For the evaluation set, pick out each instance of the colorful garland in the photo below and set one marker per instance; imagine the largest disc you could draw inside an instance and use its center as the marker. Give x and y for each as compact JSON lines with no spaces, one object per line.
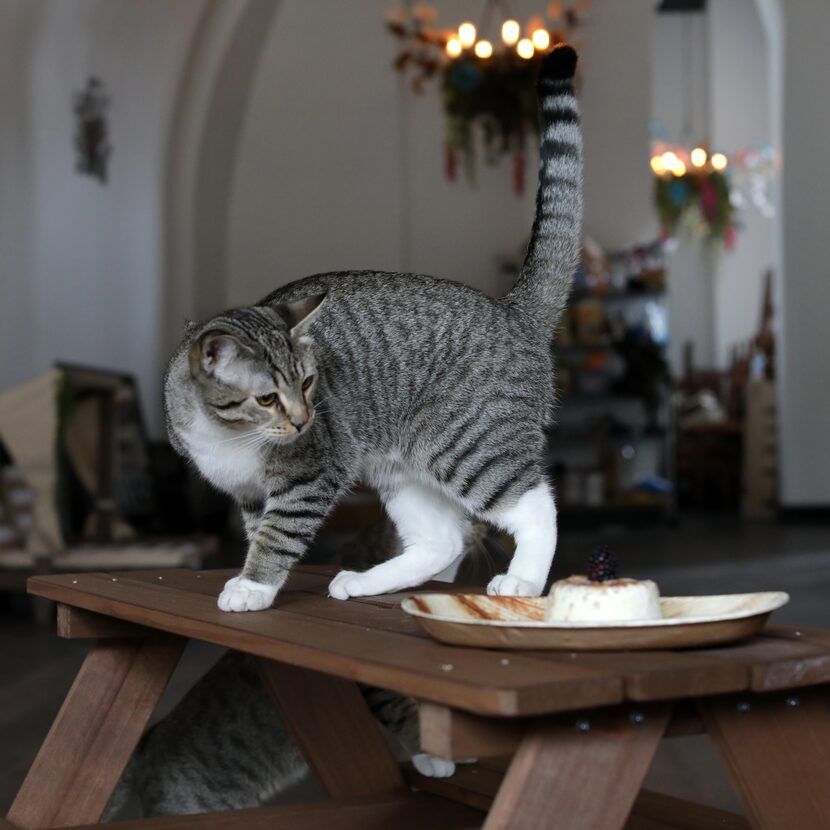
{"x":698,"y":199}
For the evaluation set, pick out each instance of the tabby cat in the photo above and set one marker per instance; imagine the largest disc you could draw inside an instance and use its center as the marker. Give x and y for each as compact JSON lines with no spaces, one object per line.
{"x":435,"y":394}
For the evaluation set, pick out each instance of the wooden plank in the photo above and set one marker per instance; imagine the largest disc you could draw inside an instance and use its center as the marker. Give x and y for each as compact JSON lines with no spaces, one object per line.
{"x":777,"y":750}
{"x":476,"y":785}
{"x":394,"y":620}
{"x":472,"y":679}
{"x":335,"y":731}
{"x":77,"y":624}
{"x":95,"y":732}
{"x":456,"y":735}
{"x":777,"y":659}
{"x":451,"y":734}
{"x":656,"y":811}
{"x":409,"y":811}
{"x":589,"y":776}
{"x":776,"y":662}
{"x":211,"y":582}
{"x":666,"y":675}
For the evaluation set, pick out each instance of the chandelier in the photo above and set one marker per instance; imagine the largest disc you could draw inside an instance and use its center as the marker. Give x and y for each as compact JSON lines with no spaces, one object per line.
{"x":487,"y":72}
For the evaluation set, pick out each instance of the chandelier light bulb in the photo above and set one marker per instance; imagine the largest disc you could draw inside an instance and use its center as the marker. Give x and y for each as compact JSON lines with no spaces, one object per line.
{"x":698,"y":157}
{"x":657,"y":165}
{"x":525,"y":48}
{"x":719,"y":161}
{"x":510,"y":31}
{"x":669,"y":160}
{"x":541,"y":39}
{"x":679,"y":168}
{"x":467,"y":35}
{"x":484,"y":49}
{"x":454,"y":47}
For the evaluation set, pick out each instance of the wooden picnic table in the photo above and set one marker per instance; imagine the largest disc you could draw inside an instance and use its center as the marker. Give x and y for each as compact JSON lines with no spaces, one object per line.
{"x":565,"y":739}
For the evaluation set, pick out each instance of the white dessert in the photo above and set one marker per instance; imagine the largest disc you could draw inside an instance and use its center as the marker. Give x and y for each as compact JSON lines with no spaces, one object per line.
{"x":578,"y":599}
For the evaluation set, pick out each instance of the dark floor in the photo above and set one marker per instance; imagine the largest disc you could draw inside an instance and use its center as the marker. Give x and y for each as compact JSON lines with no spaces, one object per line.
{"x":699,"y":557}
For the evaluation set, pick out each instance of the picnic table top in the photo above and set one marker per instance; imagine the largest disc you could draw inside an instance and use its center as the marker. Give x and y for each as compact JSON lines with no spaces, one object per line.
{"x":373,"y":641}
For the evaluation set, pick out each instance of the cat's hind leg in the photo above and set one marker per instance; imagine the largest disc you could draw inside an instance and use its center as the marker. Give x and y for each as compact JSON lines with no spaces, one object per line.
{"x":531,"y":520}
{"x":432,"y":529}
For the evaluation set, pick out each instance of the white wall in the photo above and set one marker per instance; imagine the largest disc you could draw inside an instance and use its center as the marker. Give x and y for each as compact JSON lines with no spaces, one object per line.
{"x":16,"y":336}
{"x":740,"y":117}
{"x":680,"y":107}
{"x":804,"y":397}
{"x":88,"y":283}
{"x":711,"y":84}
{"x":342,"y":166}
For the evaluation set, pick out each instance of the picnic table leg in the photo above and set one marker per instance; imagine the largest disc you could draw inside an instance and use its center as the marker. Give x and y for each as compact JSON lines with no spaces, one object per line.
{"x":579,"y":773}
{"x":335,"y":730}
{"x":95,"y":731}
{"x":777,"y":750}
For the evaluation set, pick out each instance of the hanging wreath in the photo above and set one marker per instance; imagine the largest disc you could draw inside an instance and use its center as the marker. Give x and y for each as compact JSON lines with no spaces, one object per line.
{"x":488,"y":91}
{"x":699,"y":200}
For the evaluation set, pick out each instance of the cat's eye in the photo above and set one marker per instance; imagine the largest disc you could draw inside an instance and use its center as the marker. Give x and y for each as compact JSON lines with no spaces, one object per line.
{"x":307,"y":383}
{"x":266,"y":400}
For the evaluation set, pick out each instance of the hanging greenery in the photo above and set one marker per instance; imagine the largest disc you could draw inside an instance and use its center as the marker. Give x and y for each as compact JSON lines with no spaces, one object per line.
{"x":698,"y":199}
{"x":488,"y":90}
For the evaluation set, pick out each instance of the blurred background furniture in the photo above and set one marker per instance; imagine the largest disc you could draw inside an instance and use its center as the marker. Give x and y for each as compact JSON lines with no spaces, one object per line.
{"x":81,"y":486}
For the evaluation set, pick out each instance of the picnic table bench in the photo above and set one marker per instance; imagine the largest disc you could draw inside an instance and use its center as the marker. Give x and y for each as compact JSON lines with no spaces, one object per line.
{"x":564,"y":739}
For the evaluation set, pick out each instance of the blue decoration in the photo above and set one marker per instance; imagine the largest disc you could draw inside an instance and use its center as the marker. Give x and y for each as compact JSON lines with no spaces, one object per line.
{"x":678,"y":191}
{"x":465,"y":76}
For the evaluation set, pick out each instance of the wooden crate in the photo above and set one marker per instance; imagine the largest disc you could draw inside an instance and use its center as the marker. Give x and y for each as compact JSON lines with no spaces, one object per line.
{"x":761,"y":450}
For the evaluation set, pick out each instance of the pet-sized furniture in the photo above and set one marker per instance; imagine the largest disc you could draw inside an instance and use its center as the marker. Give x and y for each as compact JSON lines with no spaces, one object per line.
{"x":581,"y":728}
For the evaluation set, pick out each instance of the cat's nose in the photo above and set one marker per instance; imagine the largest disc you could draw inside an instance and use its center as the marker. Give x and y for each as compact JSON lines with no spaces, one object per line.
{"x":299,"y":422}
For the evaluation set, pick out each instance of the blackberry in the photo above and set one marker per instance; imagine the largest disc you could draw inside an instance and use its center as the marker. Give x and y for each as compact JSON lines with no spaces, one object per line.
{"x":602,"y":565}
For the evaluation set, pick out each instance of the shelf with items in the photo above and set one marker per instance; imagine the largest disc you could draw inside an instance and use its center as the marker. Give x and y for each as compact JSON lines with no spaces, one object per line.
{"x":609,"y":453}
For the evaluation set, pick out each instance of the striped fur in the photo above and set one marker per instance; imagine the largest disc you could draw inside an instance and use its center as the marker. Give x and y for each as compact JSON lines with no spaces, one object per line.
{"x":432,"y":392}
{"x":226,"y":747}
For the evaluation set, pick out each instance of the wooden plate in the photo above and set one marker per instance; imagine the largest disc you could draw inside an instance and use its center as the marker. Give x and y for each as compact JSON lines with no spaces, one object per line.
{"x":519,"y":622}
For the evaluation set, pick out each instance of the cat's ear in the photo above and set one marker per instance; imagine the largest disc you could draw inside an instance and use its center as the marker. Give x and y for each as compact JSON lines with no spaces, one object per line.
{"x":213,"y":351}
{"x":300,"y":313}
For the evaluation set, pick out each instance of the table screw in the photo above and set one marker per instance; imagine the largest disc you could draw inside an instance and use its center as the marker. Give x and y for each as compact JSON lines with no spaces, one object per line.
{"x":74,"y":581}
{"x":793,"y":702}
{"x":797,"y":633}
{"x":583,"y":725}
{"x":743,"y":707}
{"x":114,"y":579}
{"x":447,"y":667}
{"x":504,"y":661}
{"x":636,"y":718}
{"x":198,"y":576}
{"x":161,"y":577}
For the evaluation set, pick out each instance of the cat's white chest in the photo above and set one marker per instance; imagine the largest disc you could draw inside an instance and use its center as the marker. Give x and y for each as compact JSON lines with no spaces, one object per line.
{"x":225,"y":458}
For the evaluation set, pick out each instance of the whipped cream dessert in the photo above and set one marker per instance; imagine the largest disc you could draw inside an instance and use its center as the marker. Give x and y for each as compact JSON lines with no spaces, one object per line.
{"x":580,"y":599}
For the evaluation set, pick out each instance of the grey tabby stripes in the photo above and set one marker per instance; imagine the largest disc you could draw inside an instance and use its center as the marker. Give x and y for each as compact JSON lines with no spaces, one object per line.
{"x":226,"y":747}
{"x":555,"y":244}
{"x":418,"y":379}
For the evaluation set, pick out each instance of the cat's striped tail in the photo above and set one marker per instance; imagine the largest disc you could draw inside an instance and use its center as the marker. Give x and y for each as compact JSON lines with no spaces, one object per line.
{"x":556,"y":241}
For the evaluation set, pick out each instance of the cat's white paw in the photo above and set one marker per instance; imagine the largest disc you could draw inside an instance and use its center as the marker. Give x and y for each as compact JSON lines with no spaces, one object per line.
{"x":246,"y":595}
{"x":432,"y":767}
{"x":351,"y":584}
{"x":506,"y":585}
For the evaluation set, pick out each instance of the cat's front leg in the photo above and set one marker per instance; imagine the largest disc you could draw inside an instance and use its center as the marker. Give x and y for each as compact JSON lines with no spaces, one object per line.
{"x":251,"y":517}
{"x":282,"y":534}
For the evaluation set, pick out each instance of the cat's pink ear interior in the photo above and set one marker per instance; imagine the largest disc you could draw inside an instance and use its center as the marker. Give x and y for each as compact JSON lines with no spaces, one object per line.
{"x":300,"y":313}
{"x":212,"y":350}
